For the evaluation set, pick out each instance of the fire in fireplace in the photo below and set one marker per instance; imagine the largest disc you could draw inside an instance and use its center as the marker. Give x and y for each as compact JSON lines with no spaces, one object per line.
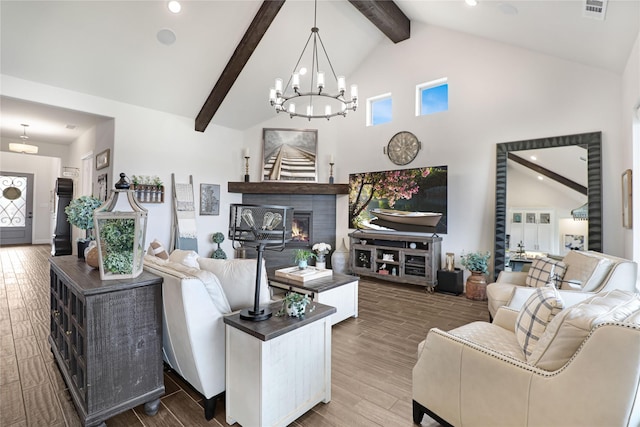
{"x":301,"y":228}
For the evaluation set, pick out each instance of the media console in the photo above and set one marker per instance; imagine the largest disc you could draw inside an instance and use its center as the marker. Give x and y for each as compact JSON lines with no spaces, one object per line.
{"x":412,"y":258}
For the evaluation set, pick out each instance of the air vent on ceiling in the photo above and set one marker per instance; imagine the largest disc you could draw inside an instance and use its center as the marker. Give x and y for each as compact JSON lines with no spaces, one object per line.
{"x":595,"y":9}
{"x":71,"y":127}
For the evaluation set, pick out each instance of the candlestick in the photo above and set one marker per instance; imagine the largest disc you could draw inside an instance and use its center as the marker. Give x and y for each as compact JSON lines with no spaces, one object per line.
{"x":246,"y":165}
{"x":331,"y":171}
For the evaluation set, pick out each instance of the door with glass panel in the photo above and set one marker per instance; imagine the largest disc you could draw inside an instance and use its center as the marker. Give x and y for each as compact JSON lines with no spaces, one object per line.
{"x":16,"y":208}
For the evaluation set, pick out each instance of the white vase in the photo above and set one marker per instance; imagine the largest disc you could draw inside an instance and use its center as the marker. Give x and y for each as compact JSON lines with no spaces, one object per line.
{"x":321,"y":265}
{"x":340,"y":259}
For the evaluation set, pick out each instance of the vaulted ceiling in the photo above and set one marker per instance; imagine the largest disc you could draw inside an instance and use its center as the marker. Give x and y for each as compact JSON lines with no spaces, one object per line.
{"x":110,"y":48}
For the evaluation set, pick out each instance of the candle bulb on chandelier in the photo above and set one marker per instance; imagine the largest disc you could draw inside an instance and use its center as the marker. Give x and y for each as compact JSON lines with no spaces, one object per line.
{"x":295,"y":81}
{"x":292,"y":108}
{"x":342,"y":85}
{"x":354,"y":92}
{"x":320,"y":80}
{"x":327,"y":110}
{"x":278,"y":87}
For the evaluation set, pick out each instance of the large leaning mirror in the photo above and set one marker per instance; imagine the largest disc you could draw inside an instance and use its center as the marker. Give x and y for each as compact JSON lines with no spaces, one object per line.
{"x":544,"y":225}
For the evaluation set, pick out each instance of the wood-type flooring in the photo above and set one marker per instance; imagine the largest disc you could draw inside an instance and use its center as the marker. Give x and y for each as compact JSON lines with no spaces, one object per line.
{"x":372,"y":356}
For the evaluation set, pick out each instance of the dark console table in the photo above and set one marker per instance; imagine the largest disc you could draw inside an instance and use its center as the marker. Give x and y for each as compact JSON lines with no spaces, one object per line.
{"x":106,"y":337}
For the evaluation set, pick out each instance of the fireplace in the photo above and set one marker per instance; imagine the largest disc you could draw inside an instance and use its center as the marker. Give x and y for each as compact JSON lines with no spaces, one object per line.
{"x":301,"y":229}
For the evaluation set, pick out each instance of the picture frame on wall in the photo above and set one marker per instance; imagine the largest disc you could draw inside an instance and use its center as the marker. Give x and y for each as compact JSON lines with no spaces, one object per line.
{"x":627,"y":199}
{"x":209,"y":199}
{"x":102,"y":159}
{"x":103,"y":187}
{"x":289,"y":155}
{"x":574,"y":242}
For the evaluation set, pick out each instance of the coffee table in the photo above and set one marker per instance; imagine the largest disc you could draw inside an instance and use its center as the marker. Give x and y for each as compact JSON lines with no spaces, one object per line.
{"x":279,"y":368}
{"x":338,"y":290}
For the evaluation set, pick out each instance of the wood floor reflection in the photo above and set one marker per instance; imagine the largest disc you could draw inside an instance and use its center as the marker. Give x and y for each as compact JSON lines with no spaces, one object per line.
{"x":372,"y":356}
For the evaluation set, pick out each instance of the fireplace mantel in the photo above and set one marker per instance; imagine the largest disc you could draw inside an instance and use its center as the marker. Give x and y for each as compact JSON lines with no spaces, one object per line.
{"x":287,"y":188}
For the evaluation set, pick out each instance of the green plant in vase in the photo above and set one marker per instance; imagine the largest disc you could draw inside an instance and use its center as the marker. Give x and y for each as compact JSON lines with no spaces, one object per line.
{"x":302,"y":257}
{"x":80,"y":214}
{"x":295,"y":304}
{"x":476,"y":262}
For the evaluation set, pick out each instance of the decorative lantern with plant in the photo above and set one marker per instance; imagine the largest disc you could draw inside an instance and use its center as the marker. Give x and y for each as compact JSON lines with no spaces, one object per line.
{"x":321,"y":249}
{"x":477,"y":264}
{"x":302,"y":257}
{"x":80,"y":214}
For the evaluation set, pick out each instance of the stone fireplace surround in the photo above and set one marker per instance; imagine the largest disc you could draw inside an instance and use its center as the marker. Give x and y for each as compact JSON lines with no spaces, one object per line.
{"x":323,"y":219}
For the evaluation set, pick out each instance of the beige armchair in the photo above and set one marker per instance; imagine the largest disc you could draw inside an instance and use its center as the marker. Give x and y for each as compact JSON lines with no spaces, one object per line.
{"x":586,"y":271}
{"x":584,"y":370}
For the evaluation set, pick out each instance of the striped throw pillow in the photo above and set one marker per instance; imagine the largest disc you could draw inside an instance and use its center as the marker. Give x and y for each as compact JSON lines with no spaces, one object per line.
{"x":156,"y":249}
{"x":535,"y":315}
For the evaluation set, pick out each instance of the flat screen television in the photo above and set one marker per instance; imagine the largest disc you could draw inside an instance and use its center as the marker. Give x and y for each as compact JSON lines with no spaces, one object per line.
{"x":407,"y":200}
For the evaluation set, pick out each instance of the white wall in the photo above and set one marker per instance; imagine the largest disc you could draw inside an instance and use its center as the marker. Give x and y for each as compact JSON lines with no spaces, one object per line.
{"x":497,"y":93}
{"x":631,"y":144}
{"x":45,"y":171}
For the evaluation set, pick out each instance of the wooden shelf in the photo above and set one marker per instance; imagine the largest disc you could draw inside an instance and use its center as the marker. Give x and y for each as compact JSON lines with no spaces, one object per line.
{"x":287,"y":188}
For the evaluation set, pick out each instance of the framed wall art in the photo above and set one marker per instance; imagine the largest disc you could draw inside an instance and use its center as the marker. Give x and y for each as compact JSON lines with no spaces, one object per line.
{"x":627,"y":200}
{"x":209,"y":199}
{"x":103,"y":187}
{"x":102,"y":159}
{"x":289,"y":155}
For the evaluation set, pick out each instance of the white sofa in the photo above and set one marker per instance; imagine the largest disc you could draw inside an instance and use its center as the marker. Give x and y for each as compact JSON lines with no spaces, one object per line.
{"x":196,"y":294}
{"x":587,"y":272}
{"x":584,"y":370}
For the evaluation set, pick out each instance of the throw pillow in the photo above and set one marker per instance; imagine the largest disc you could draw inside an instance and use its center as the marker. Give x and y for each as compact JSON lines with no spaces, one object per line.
{"x":586,"y":268}
{"x":544,"y":270}
{"x":186,"y":258}
{"x":156,"y":249}
{"x":535,"y":315}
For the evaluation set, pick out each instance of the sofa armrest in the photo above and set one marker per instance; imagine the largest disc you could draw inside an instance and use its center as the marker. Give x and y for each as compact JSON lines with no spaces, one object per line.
{"x":569,"y":298}
{"x":514,"y":277}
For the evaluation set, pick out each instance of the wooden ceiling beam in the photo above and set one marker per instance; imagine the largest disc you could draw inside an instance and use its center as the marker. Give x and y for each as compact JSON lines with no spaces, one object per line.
{"x":549,"y":174}
{"x":387,"y":16}
{"x":259,"y":26}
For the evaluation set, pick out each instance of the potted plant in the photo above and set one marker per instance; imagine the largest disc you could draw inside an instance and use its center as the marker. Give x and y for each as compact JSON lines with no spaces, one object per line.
{"x":302,"y":257}
{"x":219,"y":253}
{"x":294,"y":305}
{"x":80,"y":214}
{"x":321,"y":249}
{"x":477,"y":264}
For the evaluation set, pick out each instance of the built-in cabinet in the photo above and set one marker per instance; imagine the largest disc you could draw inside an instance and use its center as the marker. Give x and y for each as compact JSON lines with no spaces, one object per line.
{"x":534,"y":227}
{"x":412,"y":258}
{"x":106,"y":338}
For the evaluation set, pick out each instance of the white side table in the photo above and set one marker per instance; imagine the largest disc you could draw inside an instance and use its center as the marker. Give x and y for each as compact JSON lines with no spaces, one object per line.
{"x":277,"y":369}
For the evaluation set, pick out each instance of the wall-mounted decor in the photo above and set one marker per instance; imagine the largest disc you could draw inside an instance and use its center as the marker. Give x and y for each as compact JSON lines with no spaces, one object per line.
{"x":531,"y":218}
{"x":574,"y":242}
{"x":517,"y":218}
{"x":627,"y":200}
{"x":209,"y":199}
{"x":289,"y":155}
{"x":102,"y":159}
{"x":103,"y":187}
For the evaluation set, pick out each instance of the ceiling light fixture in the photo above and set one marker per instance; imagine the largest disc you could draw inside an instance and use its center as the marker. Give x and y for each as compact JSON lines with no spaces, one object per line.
{"x":174,"y":6}
{"x":23,"y":147}
{"x":471,"y":2}
{"x":282,"y":101}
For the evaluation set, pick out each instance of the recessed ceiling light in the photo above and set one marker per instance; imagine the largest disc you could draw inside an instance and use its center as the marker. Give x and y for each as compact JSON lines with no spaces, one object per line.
{"x":174,"y":6}
{"x":534,"y":158}
{"x":471,"y":2}
{"x":540,"y":177}
{"x":303,"y":71}
{"x":166,"y":36}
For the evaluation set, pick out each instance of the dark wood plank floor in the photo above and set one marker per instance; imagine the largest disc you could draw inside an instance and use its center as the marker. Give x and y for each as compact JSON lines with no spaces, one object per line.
{"x":372,"y":356}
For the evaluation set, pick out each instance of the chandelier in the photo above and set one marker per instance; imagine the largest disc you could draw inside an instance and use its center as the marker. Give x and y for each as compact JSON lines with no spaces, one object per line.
{"x":282,"y":99}
{"x":23,"y":147}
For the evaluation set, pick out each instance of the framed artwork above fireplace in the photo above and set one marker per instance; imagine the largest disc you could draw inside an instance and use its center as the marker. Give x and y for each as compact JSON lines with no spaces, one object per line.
{"x":289,"y":155}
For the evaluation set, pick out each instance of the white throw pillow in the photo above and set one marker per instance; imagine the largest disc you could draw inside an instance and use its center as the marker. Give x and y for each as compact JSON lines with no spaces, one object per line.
{"x":544,"y":270}
{"x":186,"y":258}
{"x":540,"y":308}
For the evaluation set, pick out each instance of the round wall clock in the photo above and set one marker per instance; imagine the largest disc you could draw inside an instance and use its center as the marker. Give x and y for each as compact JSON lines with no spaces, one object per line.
{"x":403,"y":147}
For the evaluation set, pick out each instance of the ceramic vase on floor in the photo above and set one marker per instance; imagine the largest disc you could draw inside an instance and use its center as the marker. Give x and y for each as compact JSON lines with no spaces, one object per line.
{"x":340,"y":259}
{"x":477,"y":286}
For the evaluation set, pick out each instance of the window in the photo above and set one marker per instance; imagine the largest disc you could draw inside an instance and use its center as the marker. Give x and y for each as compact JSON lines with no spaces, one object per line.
{"x":379,"y":109}
{"x":432,"y":97}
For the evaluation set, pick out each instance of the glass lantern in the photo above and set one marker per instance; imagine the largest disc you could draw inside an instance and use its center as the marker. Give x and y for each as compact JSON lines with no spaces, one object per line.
{"x":120,"y":228}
